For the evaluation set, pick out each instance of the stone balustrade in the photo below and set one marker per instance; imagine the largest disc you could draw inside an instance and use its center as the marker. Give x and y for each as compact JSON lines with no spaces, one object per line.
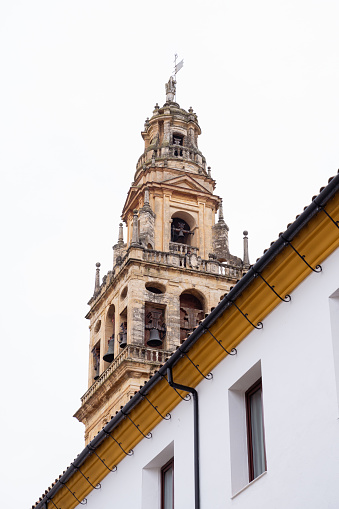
{"x":172,"y":152}
{"x":177,"y":247}
{"x":132,"y":353}
{"x":179,"y":255}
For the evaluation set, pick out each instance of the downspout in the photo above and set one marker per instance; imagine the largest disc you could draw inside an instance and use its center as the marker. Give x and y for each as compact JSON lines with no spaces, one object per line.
{"x":196,"y":433}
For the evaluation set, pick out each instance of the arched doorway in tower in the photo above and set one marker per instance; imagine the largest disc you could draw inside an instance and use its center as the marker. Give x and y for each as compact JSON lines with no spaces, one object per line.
{"x":191,"y":312}
{"x":109,"y":334}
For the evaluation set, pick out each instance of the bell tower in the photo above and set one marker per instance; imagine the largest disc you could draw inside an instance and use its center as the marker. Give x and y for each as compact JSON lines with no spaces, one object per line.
{"x":173,"y":268}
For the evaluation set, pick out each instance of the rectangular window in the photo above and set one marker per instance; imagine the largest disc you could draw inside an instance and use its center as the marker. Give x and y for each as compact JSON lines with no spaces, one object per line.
{"x":246,"y":420}
{"x":255,"y":431}
{"x":167,"y":485}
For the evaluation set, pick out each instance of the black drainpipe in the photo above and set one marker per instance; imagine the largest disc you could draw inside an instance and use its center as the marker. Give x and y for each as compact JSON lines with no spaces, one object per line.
{"x":196,"y":433}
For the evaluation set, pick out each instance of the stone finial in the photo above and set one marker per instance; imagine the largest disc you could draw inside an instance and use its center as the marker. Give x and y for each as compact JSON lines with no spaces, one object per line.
{"x":97,"y":278}
{"x":135,"y":239}
{"x":246,"y":260}
{"x":146,"y":124}
{"x":221,"y":213}
{"x":121,"y":234}
{"x":146,"y":207}
{"x":170,"y":89}
{"x":190,"y":109}
{"x":209,"y":171}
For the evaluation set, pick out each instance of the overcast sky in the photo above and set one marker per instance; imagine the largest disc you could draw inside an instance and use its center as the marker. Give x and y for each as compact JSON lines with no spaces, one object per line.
{"x":78,"y":79}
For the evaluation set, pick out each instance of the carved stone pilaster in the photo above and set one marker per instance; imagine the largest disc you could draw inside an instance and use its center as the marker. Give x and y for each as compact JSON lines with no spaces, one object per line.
{"x":146,"y":223}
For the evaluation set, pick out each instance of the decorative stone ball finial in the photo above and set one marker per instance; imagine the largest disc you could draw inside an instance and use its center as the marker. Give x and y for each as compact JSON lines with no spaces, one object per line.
{"x":97,"y":278}
{"x":209,"y":171}
{"x":190,"y":110}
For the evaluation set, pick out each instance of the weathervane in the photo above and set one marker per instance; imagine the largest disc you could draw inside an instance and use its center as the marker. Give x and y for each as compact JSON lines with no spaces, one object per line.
{"x":177,"y":67}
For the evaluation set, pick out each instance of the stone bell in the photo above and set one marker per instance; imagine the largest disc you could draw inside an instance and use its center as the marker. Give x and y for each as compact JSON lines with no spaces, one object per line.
{"x":96,"y":372}
{"x":154,"y":338}
{"x":123,"y":339}
{"x":109,"y":356}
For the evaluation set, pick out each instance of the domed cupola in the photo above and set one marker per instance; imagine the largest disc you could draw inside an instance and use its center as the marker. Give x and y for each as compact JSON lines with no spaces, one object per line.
{"x":171,"y":137}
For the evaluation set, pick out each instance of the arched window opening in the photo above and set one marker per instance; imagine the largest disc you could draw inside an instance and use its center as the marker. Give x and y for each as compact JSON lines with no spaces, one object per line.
{"x":191,"y":313}
{"x":109,"y":334}
{"x":180,"y":231}
{"x":123,"y":329}
{"x":178,"y":142}
{"x":96,"y":361}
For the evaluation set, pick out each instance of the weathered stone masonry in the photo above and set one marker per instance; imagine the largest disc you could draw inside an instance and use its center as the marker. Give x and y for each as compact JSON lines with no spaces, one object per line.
{"x":172,"y":270}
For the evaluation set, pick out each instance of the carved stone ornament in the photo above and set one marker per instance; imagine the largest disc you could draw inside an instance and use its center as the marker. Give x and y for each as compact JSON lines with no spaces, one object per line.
{"x":170,"y":89}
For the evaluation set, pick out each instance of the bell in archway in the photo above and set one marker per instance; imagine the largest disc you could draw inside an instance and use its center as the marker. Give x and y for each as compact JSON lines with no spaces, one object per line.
{"x":181,"y":233}
{"x":123,"y":339}
{"x":96,"y":372}
{"x":109,"y":356}
{"x":154,"y":338}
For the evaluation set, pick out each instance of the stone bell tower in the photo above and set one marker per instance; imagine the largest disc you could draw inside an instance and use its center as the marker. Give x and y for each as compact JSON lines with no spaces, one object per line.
{"x":172,"y":270}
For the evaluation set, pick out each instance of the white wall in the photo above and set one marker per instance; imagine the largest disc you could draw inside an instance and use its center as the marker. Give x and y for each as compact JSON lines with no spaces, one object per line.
{"x":295,"y":350}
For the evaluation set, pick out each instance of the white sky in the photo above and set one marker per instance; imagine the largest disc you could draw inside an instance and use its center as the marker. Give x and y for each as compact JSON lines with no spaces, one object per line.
{"x":78,"y":79}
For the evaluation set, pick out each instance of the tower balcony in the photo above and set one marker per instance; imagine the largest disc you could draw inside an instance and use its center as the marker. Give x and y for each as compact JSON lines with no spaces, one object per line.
{"x":174,"y":153}
{"x":131,"y":354}
{"x":180,"y":256}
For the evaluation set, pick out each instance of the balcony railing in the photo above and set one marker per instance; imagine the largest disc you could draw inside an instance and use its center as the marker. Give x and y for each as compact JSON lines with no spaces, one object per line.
{"x":179,"y":255}
{"x":177,"y":247}
{"x":134,"y":353}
